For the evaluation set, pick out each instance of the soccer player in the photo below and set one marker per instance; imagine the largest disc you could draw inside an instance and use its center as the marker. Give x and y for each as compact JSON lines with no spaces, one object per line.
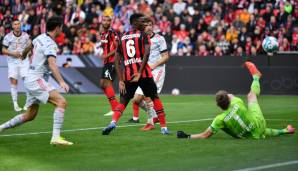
{"x":108,"y":38}
{"x":157,"y":59}
{"x":237,"y":120}
{"x":133,"y":49}
{"x":14,"y":44}
{"x":40,"y":91}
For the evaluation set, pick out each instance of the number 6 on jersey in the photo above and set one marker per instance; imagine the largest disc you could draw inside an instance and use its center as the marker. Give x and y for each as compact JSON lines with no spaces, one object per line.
{"x":130,"y":49}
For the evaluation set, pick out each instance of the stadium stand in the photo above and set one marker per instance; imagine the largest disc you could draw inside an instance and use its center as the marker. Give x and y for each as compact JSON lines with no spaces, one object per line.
{"x":201,"y":28}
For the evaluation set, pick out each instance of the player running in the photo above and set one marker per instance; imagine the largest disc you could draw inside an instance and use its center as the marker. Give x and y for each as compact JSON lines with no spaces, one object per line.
{"x":14,"y":44}
{"x":40,"y":91}
{"x":133,"y":49}
{"x":157,"y":59}
{"x":108,"y":38}
{"x":237,"y":120}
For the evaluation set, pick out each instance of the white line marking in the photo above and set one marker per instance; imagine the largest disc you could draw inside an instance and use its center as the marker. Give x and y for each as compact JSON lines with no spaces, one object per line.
{"x":121,"y":126}
{"x":94,"y":128}
{"x":269,"y":166}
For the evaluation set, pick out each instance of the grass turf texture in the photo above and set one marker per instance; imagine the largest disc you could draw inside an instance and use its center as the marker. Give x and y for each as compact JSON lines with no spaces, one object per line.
{"x":129,"y":149}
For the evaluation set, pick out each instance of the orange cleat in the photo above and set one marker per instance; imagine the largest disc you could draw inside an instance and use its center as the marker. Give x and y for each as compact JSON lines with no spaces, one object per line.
{"x":252,"y":69}
{"x":148,"y":127}
{"x":291,"y":129}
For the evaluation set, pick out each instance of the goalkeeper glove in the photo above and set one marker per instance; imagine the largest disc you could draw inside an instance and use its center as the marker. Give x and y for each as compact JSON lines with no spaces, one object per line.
{"x":181,"y":134}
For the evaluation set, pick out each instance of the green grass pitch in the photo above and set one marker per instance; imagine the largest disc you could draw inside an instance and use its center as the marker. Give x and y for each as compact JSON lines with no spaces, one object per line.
{"x":128,"y":149}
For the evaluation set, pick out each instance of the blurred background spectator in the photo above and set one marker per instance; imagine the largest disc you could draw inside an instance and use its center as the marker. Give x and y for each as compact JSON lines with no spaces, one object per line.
{"x":213,"y":27}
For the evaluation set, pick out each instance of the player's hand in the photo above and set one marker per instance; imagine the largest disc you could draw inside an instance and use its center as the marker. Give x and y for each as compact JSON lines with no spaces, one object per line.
{"x":122,"y":88}
{"x":181,"y":134}
{"x":64,"y":86}
{"x":17,"y":55}
{"x":136,"y":77}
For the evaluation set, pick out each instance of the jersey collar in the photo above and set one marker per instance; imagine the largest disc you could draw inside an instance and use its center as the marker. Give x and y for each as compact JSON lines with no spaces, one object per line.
{"x":16,"y":35}
{"x":152,"y":35}
{"x":50,"y":37}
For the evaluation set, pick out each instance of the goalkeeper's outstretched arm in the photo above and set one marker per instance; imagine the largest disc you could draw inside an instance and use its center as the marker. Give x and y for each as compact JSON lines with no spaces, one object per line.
{"x":206,"y":134}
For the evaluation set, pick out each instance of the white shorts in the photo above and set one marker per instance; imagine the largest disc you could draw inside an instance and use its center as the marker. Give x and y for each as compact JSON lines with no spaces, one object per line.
{"x":18,"y":70}
{"x":159,"y":78}
{"x":38,"y":91}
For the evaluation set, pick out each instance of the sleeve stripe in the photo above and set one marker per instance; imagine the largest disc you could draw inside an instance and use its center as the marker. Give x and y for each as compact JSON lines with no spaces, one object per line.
{"x":5,"y":46}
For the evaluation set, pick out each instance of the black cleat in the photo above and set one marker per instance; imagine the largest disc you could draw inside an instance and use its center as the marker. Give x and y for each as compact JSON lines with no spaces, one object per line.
{"x":133,"y":121}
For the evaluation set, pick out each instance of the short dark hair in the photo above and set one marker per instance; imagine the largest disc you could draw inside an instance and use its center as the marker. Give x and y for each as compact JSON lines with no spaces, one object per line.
{"x":146,"y":20}
{"x":222,"y":99}
{"x":134,"y":18}
{"x":54,"y":22}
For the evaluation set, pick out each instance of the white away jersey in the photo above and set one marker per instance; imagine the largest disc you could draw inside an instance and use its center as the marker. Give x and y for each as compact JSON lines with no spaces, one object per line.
{"x":157,"y":47}
{"x":15,"y":43}
{"x":43,"y":47}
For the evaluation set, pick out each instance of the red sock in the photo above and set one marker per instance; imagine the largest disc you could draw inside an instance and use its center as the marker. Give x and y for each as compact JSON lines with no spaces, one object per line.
{"x":160,"y":112}
{"x":110,"y":93}
{"x":118,"y":112}
{"x":135,"y":108}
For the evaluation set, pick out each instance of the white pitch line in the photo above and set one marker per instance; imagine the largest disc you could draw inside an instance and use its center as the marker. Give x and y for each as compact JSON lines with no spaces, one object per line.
{"x":269,"y":166}
{"x":94,"y":128}
{"x":121,"y":126}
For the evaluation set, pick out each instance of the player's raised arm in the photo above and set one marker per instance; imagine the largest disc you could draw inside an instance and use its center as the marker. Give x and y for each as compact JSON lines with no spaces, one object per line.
{"x":56,"y":73}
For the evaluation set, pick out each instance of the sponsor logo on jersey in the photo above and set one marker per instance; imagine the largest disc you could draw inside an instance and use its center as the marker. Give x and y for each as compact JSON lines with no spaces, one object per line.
{"x":132,"y":61}
{"x":130,"y":36}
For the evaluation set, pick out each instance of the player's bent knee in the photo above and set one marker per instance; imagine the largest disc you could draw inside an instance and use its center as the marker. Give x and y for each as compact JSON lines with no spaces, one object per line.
{"x":104,"y":83}
{"x":62,"y":103}
{"x":137,"y":100}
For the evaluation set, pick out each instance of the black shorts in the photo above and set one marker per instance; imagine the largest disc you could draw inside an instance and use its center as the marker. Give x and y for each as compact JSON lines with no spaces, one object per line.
{"x":147,"y":85}
{"x":108,"y":71}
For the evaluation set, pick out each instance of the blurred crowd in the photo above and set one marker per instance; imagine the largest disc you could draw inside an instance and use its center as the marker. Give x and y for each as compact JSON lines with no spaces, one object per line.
{"x":190,"y":27}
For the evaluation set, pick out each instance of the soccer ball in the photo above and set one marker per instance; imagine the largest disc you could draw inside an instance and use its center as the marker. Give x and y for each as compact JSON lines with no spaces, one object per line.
{"x":270,"y":44}
{"x":175,"y":92}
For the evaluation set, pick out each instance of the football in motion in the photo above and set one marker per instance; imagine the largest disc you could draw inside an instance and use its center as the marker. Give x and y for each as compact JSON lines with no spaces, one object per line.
{"x":270,"y":44}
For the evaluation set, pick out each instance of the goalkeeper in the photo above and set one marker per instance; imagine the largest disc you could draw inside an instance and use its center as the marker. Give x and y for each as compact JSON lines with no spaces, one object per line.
{"x":237,"y":120}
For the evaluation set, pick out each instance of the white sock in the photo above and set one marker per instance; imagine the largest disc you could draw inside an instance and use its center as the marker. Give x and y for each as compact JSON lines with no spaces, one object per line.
{"x":14,"y":94}
{"x":58,"y":122}
{"x":27,"y":95}
{"x":16,"y":121}
{"x":151,"y":112}
{"x":135,"y":118}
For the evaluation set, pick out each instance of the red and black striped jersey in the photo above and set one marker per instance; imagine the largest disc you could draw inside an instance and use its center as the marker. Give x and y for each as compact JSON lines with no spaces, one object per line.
{"x":131,"y":48}
{"x":108,"y":43}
